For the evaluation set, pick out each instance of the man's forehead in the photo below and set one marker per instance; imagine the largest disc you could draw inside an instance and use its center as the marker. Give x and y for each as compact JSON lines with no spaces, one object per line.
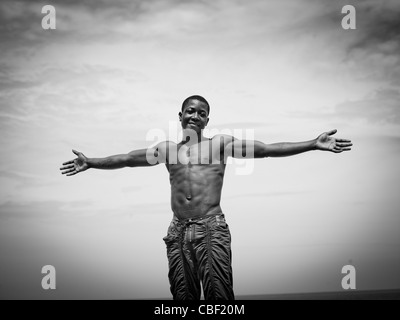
{"x":194,"y":103}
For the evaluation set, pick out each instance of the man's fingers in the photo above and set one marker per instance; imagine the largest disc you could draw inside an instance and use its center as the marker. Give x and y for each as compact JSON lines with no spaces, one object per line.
{"x":76,"y":152}
{"x":68,"y":171}
{"x":343,"y":140}
{"x":338,"y":149}
{"x":71,"y":174}
{"x":68,"y":162}
{"x":70,"y":166}
{"x":344,"y":144}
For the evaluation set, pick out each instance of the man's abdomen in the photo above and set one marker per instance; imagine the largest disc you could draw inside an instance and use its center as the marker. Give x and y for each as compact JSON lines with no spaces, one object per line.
{"x":196,"y":190}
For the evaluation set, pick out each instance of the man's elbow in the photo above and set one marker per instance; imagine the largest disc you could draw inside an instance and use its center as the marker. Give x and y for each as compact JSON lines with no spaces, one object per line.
{"x":261,"y":154}
{"x":261,"y":150}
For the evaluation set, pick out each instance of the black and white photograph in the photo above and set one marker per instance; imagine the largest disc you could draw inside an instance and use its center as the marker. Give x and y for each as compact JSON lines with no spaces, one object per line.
{"x":199,"y":150}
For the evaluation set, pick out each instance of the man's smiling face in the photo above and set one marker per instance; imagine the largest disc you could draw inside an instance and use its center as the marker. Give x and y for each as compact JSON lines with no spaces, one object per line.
{"x":194,"y":115}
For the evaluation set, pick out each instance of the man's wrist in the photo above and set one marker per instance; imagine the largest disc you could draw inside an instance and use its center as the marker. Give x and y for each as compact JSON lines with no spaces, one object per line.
{"x":314,"y":145}
{"x":89,"y":162}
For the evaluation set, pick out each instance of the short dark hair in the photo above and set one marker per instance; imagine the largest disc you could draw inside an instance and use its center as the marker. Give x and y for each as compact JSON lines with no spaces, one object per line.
{"x":195,"y":97}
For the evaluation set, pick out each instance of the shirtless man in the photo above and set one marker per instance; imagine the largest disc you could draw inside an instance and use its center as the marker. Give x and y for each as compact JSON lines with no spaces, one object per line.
{"x":198,"y":240}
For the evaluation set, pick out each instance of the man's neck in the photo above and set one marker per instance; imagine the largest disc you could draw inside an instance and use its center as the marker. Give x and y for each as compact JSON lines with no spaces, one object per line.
{"x":191,"y":138}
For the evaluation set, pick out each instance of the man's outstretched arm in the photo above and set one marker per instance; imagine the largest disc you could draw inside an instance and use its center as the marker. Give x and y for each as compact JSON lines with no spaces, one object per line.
{"x":136,"y":158}
{"x":257,"y":149}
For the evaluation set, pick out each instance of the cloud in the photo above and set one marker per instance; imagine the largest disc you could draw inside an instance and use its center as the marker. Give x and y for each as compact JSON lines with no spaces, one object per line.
{"x":378,"y":107}
{"x":84,"y":22}
{"x":131,"y":189}
{"x":26,"y":181}
{"x":41,"y":209}
{"x":383,"y":106}
{"x":265,"y":194}
{"x":376,"y":44}
{"x":379,"y":27}
{"x":57,"y":92}
{"x":239,"y":125}
{"x":22,"y":178}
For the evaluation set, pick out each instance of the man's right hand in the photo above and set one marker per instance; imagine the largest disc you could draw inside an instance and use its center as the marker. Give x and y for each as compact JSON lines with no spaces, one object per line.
{"x":72,"y":167}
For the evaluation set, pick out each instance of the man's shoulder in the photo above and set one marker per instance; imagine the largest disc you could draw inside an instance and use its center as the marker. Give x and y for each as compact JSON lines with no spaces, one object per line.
{"x":166,"y":144}
{"x":166,"y":147}
{"x":225,"y":138}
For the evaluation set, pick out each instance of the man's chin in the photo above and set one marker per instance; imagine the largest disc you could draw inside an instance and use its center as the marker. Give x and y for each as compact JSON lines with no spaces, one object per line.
{"x":192,"y":127}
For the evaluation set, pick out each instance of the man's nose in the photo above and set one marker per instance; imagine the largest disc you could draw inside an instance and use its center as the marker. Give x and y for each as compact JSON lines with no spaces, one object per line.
{"x":195,"y":116}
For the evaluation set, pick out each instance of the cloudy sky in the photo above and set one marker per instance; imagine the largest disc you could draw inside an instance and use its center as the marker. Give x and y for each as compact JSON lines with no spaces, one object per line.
{"x":114,"y":70}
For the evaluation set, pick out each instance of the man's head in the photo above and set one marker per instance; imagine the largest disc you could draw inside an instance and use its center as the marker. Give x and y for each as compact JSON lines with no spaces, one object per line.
{"x":194,"y":113}
{"x":195,"y":97}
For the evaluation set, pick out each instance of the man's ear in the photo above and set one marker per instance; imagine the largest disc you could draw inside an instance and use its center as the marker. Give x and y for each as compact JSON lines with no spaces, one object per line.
{"x":180,"y":116}
{"x":208,"y":119}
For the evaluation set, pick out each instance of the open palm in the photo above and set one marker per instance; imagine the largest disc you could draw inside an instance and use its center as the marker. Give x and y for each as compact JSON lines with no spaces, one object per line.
{"x":74,"y":166}
{"x":328,"y":143}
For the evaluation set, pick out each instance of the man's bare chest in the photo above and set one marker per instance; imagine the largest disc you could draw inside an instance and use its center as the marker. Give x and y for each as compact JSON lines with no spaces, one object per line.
{"x":202,"y":153}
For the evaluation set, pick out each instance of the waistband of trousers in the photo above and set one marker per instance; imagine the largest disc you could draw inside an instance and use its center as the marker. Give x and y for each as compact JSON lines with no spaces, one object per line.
{"x":200,"y":218}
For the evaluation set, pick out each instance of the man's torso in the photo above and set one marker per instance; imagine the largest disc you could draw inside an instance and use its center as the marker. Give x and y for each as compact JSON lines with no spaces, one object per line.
{"x":196,"y":176}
